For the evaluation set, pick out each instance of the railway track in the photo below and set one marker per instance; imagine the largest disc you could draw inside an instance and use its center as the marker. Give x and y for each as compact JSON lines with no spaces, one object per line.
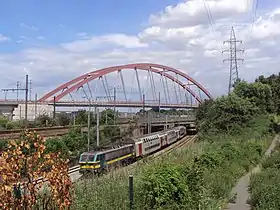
{"x":46,"y":132}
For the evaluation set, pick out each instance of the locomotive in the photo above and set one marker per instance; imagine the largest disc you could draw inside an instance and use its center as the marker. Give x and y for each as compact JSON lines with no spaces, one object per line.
{"x":129,"y":150}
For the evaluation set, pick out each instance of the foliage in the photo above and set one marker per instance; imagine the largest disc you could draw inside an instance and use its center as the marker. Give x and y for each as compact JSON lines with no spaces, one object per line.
{"x":3,"y":145}
{"x":63,"y":119}
{"x":265,"y":186}
{"x":44,"y":121}
{"x":107,"y":117}
{"x":274,"y":82}
{"x":199,"y":177}
{"x":203,"y":109}
{"x":111,"y":132}
{"x":227,"y":114}
{"x":3,"y":122}
{"x":81,"y":117}
{"x":163,"y":185}
{"x":23,"y":163}
{"x":257,"y":93}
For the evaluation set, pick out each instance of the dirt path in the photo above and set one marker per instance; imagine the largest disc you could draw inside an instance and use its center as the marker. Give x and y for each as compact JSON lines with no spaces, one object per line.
{"x":241,"y":189}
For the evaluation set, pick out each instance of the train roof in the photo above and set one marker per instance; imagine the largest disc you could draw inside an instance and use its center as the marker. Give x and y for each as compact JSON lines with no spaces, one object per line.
{"x":95,"y":152}
{"x":131,"y":140}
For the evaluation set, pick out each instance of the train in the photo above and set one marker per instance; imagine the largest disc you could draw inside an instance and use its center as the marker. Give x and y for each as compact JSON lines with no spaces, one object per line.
{"x":130,"y":150}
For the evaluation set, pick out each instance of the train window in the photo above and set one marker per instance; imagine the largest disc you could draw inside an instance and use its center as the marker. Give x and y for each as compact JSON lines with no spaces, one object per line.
{"x":91,"y":158}
{"x":83,"y":158}
{"x":98,"y":158}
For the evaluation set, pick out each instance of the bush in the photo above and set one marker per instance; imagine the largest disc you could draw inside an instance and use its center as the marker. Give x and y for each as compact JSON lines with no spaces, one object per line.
{"x":228,"y":114}
{"x":3,"y":122}
{"x":163,"y":186}
{"x":44,"y":121}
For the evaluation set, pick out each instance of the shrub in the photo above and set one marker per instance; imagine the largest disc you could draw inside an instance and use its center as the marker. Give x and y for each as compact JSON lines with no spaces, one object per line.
{"x":162,"y":186}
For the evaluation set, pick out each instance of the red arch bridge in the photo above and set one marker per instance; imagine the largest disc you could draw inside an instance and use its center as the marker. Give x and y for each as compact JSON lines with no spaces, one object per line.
{"x":131,"y":85}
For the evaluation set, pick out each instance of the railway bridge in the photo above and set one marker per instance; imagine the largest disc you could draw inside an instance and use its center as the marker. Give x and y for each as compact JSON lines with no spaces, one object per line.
{"x":130,"y":86}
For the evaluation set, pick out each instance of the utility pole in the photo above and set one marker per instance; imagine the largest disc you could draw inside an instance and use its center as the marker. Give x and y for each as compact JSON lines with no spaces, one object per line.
{"x":36,"y":105}
{"x":30,"y":87}
{"x":54,"y":107}
{"x":159,"y":103}
{"x":143,"y":104}
{"x":26,"y":99}
{"x":88,"y":126}
{"x":114,"y":105}
{"x":6,"y":90}
{"x":233,"y":59}
{"x":18,"y":86}
{"x":97,"y":127}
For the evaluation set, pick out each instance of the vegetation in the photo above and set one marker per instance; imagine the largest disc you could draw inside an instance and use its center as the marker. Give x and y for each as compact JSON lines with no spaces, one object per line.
{"x":274,"y":83}
{"x":22,"y":164}
{"x":197,"y":177}
{"x":265,"y":186}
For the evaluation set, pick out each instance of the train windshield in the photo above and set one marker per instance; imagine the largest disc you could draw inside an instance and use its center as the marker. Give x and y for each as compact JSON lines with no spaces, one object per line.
{"x":85,"y":158}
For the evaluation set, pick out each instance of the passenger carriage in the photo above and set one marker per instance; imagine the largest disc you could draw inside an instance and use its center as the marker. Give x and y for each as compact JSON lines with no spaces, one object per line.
{"x":171,"y":136}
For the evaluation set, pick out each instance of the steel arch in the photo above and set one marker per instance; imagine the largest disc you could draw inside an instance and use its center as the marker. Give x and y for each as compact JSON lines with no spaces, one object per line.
{"x":83,"y":79}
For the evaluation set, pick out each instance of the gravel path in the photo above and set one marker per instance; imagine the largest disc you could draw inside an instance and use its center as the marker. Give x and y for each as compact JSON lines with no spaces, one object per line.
{"x":241,"y":189}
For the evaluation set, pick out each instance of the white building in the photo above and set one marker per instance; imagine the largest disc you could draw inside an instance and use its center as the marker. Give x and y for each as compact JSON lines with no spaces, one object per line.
{"x":33,"y":111}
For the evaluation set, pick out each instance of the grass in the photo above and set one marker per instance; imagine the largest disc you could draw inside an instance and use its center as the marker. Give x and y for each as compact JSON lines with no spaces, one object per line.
{"x":265,"y":186}
{"x":201,"y":175}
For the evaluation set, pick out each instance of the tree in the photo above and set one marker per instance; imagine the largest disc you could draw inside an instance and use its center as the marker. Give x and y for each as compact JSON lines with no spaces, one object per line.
{"x":22,"y":164}
{"x":81,"y":118}
{"x":111,"y":132}
{"x":203,"y":109}
{"x":3,"y":122}
{"x":63,"y":119}
{"x":258,"y":93}
{"x":107,"y":117}
{"x":44,"y":121}
{"x":274,"y":82}
{"x":227,"y":113}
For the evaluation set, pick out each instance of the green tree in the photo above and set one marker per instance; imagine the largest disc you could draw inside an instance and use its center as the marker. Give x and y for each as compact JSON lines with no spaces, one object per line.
{"x":3,"y":122}
{"x":257,"y":93}
{"x":107,"y":117}
{"x":63,"y":119}
{"x":81,"y":118}
{"x":203,"y":109}
{"x":44,"y":121}
{"x":227,"y":113}
{"x":274,"y":82}
{"x":111,"y":133}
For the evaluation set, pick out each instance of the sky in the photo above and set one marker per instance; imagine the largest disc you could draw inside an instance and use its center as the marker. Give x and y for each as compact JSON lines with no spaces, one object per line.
{"x":55,"y":41}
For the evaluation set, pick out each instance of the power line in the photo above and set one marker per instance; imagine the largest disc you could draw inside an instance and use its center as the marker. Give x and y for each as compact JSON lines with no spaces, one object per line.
{"x":233,"y":59}
{"x":211,"y":21}
{"x":254,"y":11}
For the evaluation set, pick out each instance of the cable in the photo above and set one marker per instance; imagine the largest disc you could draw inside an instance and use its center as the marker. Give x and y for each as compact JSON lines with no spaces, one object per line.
{"x":211,"y":22}
{"x":254,"y":11}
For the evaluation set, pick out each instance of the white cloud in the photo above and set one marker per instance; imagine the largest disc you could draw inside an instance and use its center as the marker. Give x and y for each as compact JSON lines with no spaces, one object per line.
{"x":30,"y":27}
{"x":94,"y":43}
{"x":41,"y":38}
{"x":179,"y":36}
{"x":190,"y":13}
{"x":4,"y":38}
